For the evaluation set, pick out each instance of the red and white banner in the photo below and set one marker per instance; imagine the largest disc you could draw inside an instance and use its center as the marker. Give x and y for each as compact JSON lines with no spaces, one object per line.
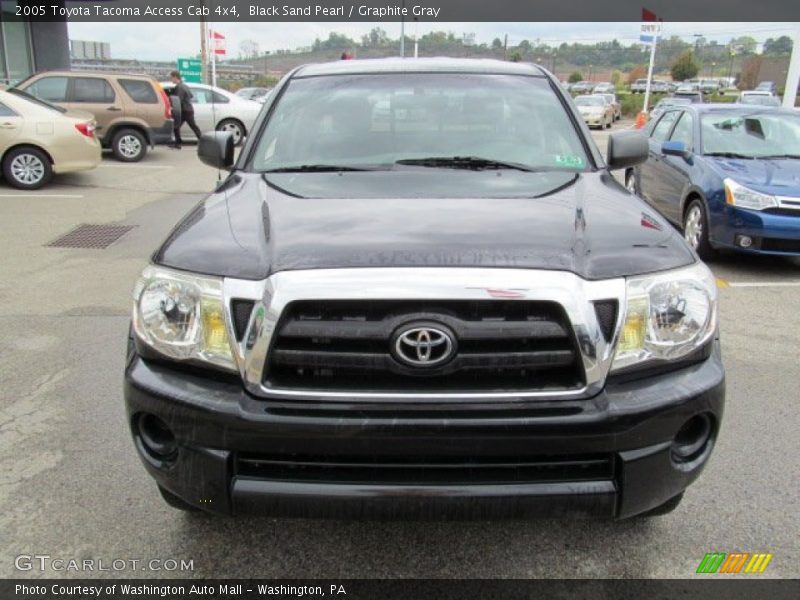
{"x":217,"y":43}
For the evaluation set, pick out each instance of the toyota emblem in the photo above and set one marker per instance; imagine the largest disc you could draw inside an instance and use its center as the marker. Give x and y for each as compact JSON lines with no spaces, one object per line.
{"x":419,"y":345}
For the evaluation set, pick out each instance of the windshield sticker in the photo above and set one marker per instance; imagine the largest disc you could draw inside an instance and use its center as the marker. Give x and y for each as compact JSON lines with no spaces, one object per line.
{"x":569,"y":160}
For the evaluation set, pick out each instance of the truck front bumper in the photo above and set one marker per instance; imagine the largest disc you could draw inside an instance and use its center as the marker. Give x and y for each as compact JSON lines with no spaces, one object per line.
{"x":608,"y":456}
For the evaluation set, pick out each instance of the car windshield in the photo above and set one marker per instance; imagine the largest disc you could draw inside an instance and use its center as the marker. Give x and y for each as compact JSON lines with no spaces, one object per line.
{"x":589,"y":101}
{"x":419,"y":120}
{"x":35,"y":100}
{"x":751,"y":134}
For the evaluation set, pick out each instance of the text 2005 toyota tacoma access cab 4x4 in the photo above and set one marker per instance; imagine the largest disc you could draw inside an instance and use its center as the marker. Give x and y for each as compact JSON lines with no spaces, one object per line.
{"x":420,"y":293}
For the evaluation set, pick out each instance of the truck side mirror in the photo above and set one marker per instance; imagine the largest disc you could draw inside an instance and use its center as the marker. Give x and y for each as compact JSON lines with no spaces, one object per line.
{"x":626,"y":149}
{"x":216,"y":149}
{"x":675,"y":148}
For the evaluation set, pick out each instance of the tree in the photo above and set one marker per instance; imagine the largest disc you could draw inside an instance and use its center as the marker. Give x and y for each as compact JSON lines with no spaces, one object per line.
{"x":497,"y":43}
{"x":248,"y":49}
{"x":515,"y":56}
{"x":575,"y":77}
{"x":782,"y":45}
{"x":743,"y":44}
{"x":616,"y":77}
{"x":685,"y":67}
{"x":637,"y":72}
{"x":524,"y":46}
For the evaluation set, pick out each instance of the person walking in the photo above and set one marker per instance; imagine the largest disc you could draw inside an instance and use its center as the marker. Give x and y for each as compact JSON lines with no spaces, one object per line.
{"x":183,"y":94}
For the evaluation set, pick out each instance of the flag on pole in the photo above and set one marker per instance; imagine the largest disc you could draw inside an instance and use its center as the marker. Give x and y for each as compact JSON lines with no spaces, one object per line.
{"x":217,"y":43}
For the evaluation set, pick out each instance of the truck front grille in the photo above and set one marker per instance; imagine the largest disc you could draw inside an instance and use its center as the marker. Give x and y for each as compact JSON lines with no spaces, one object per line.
{"x":502,"y":346}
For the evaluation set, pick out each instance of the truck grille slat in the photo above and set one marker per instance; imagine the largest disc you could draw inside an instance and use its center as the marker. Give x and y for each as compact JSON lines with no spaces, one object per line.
{"x":502,"y":345}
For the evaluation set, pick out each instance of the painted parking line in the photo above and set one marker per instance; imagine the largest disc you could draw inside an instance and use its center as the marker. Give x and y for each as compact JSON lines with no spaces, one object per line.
{"x":34,"y":195}
{"x":121,"y":166}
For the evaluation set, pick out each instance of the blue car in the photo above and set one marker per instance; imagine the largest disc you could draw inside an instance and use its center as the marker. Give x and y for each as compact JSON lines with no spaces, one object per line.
{"x":727,"y":174}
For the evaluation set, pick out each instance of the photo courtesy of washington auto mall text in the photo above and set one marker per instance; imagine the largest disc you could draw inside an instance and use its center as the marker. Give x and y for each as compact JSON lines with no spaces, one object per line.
{"x":378,"y":299}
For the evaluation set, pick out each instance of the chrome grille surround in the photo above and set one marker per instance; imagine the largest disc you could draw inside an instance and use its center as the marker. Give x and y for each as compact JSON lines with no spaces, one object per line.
{"x":273,"y":295}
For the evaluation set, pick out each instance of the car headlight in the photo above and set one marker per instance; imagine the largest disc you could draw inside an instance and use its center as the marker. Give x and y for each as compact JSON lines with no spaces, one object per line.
{"x":667,"y":316}
{"x":743,"y":197}
{"x":181,"y":316}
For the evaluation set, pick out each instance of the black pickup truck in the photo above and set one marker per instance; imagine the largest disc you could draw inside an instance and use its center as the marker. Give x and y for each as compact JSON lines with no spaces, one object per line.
{"x":420,"y":293}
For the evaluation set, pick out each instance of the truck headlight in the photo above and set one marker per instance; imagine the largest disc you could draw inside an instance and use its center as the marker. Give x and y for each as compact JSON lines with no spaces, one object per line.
{"x":667,"y":316}
{"x":743,"y":197}
{"x":181,"y":316}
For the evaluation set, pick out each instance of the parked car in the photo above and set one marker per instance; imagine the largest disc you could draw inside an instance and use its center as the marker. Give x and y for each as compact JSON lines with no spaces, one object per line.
{"x":259,"y":94}
{"x":582,"y":87}
{"x":664,"y":103}
{"x":604,"y":87}
{"x":687,"y":88}
{"x":615,"y":104}
{"x":596,"y":110}
{"x":38,"y":139}
{"x":216,"y":109}
{"x":695,"y":97}
{"x":727,"y":175}
{"x":711,"y":86}
{"x":759,"y":99}
{"x":448,"y":309}
{"x":768,"y":86}
{"x":132,"y":111}
{"x":639,"y":86}
{"x":660,"y":87}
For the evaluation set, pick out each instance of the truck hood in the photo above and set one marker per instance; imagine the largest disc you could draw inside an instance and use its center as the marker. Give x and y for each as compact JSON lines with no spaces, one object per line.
{"x":773,"y":176}
{"x":584,"y":223}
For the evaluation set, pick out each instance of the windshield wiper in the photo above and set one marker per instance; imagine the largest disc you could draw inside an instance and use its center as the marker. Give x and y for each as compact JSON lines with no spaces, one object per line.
{"x":729,"y":155}
{"x":779,"y":156}
{"x":322,"y":168}
{"x":474,"y":163}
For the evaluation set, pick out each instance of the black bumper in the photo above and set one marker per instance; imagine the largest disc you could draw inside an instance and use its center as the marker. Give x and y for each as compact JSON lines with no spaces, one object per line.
{"x":162,"y":135}
{"x":608,"y":456}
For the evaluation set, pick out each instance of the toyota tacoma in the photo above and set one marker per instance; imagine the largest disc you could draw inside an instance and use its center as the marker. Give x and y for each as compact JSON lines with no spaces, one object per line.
{"x":419,"y":292}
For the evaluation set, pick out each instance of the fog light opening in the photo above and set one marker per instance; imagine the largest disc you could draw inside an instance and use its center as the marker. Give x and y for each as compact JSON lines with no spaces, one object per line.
{"x":157,"y":437}
{"x":743,"y":241}
{"x":692,"y":439}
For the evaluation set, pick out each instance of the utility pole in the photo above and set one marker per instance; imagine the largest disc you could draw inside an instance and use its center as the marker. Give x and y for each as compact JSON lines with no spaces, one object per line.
{"x":793,"y":76}
{"x":403,"y":30}
{"x":653,"y":43}
{"x":505,"y":48}
{"x":203,"y":52}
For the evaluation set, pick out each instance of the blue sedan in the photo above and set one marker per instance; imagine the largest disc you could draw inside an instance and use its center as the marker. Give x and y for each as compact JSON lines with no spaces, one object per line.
{"x":727,"y":174}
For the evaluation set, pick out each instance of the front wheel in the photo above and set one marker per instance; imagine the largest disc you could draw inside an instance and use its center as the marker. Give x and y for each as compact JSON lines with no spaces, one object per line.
{"x":695,"y":229}
{"x":235,"y":128}
{"x":27,"y":168}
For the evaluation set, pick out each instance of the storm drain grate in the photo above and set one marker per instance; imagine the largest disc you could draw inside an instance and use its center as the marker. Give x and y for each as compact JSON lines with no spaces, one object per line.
{"x":88,"y":235}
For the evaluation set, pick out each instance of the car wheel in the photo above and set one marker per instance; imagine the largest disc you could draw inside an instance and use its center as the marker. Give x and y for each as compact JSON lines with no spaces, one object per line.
{"x":129,"y":145}
{"x":695,"y":229}
{"x":235,"y":128}
{"x":630,"y":182}
{"x":609,"y":122}
{"x":176,"y":502}
{"x":663,"y":509}
{"x":27,"y":168}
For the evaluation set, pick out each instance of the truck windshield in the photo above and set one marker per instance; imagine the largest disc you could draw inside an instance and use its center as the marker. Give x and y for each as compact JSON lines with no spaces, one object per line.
{"x":751,"y":134}
{"x":419,"y":121}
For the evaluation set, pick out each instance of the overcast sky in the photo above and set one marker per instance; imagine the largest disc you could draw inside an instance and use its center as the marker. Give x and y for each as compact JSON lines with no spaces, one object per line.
{"x":166,"y":41}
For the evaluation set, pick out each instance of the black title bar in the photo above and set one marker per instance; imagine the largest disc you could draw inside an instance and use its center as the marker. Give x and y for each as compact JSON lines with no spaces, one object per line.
{"x":394,"y":10}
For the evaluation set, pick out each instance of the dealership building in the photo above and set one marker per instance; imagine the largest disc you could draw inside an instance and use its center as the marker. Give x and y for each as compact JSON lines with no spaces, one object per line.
{"x":27,"y":47}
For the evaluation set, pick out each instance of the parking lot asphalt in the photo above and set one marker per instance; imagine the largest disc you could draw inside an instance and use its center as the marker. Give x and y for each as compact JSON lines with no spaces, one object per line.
{"x":72,"y":486}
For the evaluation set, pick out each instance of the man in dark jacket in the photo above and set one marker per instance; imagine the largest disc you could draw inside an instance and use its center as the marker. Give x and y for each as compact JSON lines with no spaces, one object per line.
{"x":181,"y":92}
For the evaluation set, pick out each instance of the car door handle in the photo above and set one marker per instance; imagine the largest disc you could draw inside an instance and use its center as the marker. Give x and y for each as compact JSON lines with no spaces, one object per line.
{"x":114,"y":109}
{"x":8,"y":126}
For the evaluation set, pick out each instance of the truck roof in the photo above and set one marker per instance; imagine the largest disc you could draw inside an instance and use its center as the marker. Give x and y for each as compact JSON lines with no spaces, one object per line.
{"x":420,"y":65}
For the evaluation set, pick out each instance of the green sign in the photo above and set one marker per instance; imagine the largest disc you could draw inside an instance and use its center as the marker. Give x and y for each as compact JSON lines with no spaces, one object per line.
{"x":190,"y":70}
